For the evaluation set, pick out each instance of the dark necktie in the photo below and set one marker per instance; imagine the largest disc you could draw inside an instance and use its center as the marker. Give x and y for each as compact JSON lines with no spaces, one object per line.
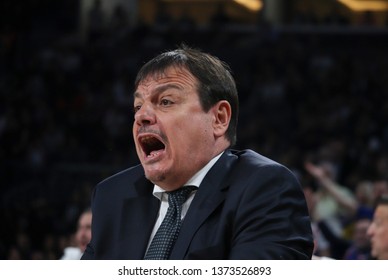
{"x":164,"y":239}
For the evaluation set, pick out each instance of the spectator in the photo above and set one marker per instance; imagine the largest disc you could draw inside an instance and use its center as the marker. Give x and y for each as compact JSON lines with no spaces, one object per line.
{"x":333,"y":201}
{"x":82,"y":237}
{"x":359,"y":248}
{"x":378,"y":230}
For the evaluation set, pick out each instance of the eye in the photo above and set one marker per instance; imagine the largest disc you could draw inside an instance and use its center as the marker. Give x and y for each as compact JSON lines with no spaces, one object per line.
{"x":136,"y":108}
{"x":165,"y":102}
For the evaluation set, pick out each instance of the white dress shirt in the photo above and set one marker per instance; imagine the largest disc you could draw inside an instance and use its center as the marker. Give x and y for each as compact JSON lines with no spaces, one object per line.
{"x":161,"y":194}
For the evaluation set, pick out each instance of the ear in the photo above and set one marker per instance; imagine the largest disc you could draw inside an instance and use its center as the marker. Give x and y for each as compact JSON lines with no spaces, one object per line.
{"x":222,"y":114}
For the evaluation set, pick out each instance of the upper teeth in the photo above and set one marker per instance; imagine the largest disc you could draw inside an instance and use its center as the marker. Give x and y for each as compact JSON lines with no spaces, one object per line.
{"x":147,"y":139}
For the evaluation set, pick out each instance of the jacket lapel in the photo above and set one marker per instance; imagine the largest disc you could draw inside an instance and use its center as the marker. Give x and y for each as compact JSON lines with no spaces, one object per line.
{"x":139,"y":214}
{"x":209,"y":196}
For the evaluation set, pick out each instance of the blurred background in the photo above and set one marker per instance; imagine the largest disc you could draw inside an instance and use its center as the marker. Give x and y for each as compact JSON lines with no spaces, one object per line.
{"x":312,"y":77}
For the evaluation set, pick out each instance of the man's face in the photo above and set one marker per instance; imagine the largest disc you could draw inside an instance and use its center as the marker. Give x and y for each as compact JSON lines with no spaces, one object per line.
{"x":378,"y":232}
{"x":360,"y":237}
{"x":174,"y":137}
{"x":84,"y":230}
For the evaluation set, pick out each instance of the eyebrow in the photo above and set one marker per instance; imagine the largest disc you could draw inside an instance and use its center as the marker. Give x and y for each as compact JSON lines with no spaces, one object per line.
{"x":159,"y":89}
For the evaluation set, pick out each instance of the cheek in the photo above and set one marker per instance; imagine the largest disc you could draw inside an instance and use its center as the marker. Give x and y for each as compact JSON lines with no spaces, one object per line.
{"x":382,"y":234}
{"x":189,"y":141}
{"x":187,"y":128}
{"x":188,"y":131}
{"x":134,"y":129}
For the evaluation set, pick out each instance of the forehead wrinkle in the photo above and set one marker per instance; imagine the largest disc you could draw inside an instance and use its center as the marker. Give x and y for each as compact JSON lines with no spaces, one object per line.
{"x":159,"y":89}
{"x":170,"y":78}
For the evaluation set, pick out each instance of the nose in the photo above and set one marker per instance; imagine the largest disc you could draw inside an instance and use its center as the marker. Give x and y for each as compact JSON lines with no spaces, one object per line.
{"x":82,"y":233}
{"x":145,"y":115}
{"x":370,"y":230}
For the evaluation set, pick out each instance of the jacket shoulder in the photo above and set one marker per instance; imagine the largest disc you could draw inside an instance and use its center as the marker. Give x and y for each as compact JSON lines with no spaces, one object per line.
{"x":251,"y":163}
{"x":250,"y":157}
{"x":123,"y":178}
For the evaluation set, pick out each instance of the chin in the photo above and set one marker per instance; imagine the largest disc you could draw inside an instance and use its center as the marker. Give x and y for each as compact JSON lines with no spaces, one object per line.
{"x":155,"y":178}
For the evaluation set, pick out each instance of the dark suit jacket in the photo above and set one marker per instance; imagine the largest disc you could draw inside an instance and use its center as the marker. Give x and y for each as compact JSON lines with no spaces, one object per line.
{"x":247,"y":207}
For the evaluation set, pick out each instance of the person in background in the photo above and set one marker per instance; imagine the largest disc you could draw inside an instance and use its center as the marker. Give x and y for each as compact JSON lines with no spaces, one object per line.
{"x":378,"y":230}
{"x":82,"y":237}
{"x":359,"y":247}
{"x":192,"y":192}
{"x":321,"y":245}
{"x":334,"y":202}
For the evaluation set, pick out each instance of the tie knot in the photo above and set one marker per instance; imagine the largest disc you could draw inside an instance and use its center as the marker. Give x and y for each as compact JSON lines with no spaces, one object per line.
{"x":179,"y":196}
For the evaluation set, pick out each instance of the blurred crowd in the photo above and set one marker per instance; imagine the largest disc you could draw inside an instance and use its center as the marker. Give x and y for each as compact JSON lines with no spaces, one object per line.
{"x":313,"y":100}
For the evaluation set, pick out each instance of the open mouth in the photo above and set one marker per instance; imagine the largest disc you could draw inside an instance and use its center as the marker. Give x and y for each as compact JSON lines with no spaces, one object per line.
{"x":151,"y":145}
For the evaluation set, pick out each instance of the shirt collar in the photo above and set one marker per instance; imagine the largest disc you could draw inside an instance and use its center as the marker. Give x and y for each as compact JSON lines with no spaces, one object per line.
{"x":196,"y":180}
